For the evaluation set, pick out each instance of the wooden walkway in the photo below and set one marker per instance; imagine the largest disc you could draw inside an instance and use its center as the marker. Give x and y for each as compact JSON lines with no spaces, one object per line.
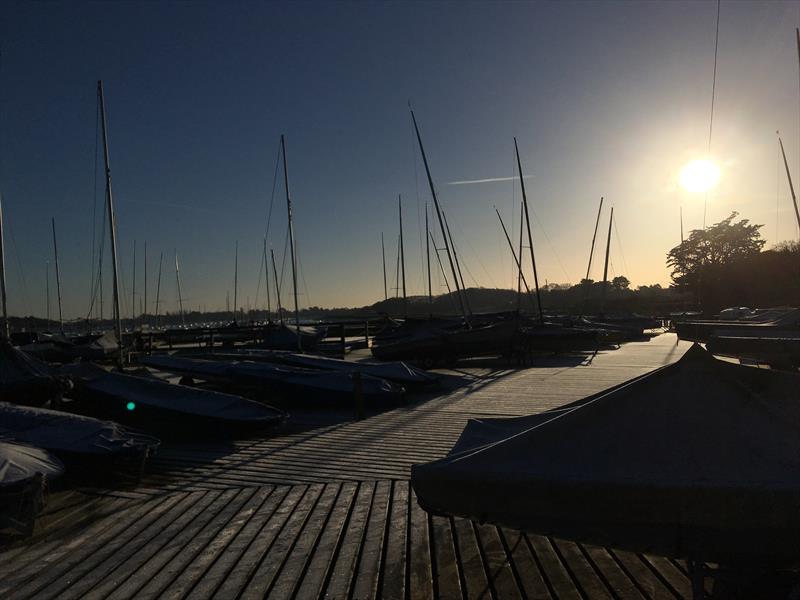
{"x":325,"y":510}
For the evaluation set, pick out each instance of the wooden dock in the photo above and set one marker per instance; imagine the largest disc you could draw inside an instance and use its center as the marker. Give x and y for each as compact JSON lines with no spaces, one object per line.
{"x":324,"y":509}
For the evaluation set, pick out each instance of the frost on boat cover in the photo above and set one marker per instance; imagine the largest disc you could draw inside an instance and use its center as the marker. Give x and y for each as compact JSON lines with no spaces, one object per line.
{"x":176,"y":398}
{"x":699,"y":459}
{"x":64,"y":432}
{"x":19,"y":463}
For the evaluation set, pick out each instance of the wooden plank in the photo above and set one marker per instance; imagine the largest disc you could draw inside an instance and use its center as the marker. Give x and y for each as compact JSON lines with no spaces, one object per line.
{"x":261,"y":544}
{"x":393,"y":574}
{"x":642,"y":576}
{"x":524,"y":565}
{"x":365,"y":578}
{"x":558,"y":579}
{"x":472,"y":570}
{"x":670,"y":575}
{"x":346,"y":559}
{"x":581,"y":570}
{"x":615,"y":578}
{"x":446,"y":569}
{"x":273,"y":561}
{"x":420,"y":574}
{"x":496,"y":562}
{"x":319,"y":569}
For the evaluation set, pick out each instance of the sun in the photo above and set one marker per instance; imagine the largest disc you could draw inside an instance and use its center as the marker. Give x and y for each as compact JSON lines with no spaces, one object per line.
{"x":699,"y":176}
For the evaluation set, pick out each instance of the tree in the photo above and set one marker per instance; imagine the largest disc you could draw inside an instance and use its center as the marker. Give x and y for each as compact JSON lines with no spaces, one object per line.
{"x":705,"y":250}
{"x":620,"y":283}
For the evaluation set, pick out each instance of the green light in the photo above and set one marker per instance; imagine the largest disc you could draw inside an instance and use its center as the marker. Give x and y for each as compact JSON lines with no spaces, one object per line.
{"x":130,"y":405}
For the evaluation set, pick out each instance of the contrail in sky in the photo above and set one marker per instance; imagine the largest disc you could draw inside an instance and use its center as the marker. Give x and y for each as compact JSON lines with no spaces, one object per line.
{"x":489,"y":180}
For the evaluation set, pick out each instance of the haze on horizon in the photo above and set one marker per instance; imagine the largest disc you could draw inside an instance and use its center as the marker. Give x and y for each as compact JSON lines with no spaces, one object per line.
{"x":605,"y":99}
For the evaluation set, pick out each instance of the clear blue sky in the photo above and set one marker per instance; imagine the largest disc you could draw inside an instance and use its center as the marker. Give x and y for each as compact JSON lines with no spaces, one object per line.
{"x":605,"y":99}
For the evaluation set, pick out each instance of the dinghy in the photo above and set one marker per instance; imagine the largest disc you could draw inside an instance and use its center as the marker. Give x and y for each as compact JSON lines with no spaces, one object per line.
{"x":25,"y":380}
{"x":25,"y":473}
{"x":88,"y":447}
{"x":699,"y":459}
{"x":167,"y":409}
{"x":292,"y":383}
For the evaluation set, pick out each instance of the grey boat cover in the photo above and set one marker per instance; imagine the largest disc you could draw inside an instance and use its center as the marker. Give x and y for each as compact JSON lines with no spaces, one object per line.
{"x":397,"y":371}
{"x":259,"y":373}
{"x":19,"y":463}
{"x":178,"y":398}
{"x":698,"y":459}
{"x":65,"y":432}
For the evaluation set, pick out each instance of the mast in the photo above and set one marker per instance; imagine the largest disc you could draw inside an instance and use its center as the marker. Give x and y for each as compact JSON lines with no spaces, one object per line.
{"x":605,"y":268}
{"x":58,"y":277}
{"x":111,"y":220}
{"x":441,"y":222}
{"x":458,"y":264}
{"x":383,"y":254}
{"x":402,"y":254}
{"x":235,"y":281}
{"x":133,"y":290}
{"x":277,"y":286}
{"x":143,"y":304}
{"x":521,"y":275}
{"x":46,"y":284}
{"x":530,"y":237}
{"x":791,"y":187}
{"x":519,"y":266}
{"x":266,"y":278}
{"x":681,"y":224}
{"x":291,"y":242}
{"x":594,"y":237}
{"x":180,"y":297}
{"x":5,"y":330}
{"x":428,"y":255}
{"x":158,"y":285}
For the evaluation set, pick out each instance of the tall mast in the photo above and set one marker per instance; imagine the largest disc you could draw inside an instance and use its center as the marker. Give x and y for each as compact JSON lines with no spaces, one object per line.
{"x":402,"y":254}
{"x":458,"y":264}
{"x":519,"y":265}
{"x":58,"y":277}
{"x":383,"y":254}
{"x":605,"y":268}
{"x":133,"y":290}
{"x":791,"y":187}
{"x":235,"y":281}
{"x":46,"y":285}
{"x":5,"y":330}
{"x":291,"y":242}
{"x":397,"y":271}
{"x":428,"y":255}
{"x":111,"y":220}
{"x":439,"y":216}
{"x":277,"y":286}
{"x":594,"y":237}
{"x":180,"y":297}
{"x":144,"y":299}
{"x":266,"y":278}
{"x":521,"y":275}
{"x":158,"y":285}
{"x":530,"y":237}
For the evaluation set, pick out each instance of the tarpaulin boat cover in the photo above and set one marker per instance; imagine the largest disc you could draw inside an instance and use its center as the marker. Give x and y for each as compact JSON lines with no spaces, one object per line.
{"x":20,"y":463}
{"x":399,"y":372}
{"x":25,"y":380}
{"x":58,"y":432}
{"x":177,"y":398}
{"x":248,"y":373}
{"x":698,"y":459}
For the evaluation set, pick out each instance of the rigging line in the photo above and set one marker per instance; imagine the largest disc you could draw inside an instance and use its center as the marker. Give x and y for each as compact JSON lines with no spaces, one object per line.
{"x":94,"y":196}
{"x":260,"y":270}
{"x":460,"y":232}
{"x":99,"y":275}
{"x":713,"y":94}
{"x":549,"y":241}
{"x":302,"y":274}
{"x":619,"y":245}
{"x":285,"y":252}
{"x":274,"y":185}
{"x":19,"y":267}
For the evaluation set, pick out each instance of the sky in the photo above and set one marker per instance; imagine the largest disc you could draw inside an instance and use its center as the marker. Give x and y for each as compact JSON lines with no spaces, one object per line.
{"x":605,"y":99}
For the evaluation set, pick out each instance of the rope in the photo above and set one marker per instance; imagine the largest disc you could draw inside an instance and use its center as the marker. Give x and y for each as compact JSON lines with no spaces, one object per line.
{"x":713,"y":94}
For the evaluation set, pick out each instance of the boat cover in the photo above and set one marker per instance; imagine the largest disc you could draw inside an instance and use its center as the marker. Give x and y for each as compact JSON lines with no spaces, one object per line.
{"x":258,"y":374}
{"x":62,"y":432}
{"x":25,"y":380}
{"x":19,"y":463}
{"x":398,"y":371}
{"x":698,"y":459}
{"x":160,"y":394}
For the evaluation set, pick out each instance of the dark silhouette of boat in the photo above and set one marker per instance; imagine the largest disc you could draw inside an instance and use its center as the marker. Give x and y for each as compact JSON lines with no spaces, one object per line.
{"x":25,"y":380}
{"x":698,"y":459}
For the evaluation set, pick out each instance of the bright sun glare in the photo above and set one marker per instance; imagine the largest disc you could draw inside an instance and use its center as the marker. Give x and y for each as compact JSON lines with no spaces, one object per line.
{"x":699,"y":176}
